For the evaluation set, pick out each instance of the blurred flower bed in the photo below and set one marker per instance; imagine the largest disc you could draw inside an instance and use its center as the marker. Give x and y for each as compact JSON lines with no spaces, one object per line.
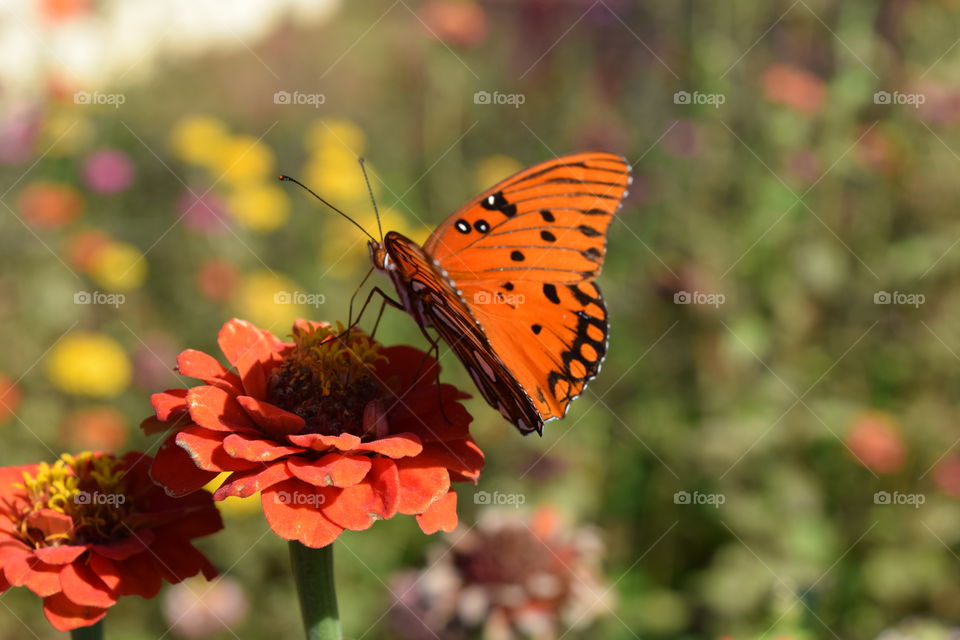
{"x":780,"y":462}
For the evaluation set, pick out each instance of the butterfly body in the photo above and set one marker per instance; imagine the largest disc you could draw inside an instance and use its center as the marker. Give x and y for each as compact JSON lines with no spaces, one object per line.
{"x":507,"y":282}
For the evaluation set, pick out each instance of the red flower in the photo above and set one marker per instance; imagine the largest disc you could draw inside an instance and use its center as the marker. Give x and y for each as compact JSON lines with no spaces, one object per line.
{"x":335,"y":433}
{"x":90,"y":528}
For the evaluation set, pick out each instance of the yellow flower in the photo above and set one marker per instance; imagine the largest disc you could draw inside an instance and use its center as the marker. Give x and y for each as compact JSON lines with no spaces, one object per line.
{"x":344,"y":135}
{"x":199,"y":139}
{"x":344,"y":250}
{"x":233,"y":505}
{"x":260,"y":206}
{"x":65,"y":133}
{"x":119,"y":267}
{"x":493,"y":169}
{"x":335,"y":174}
{"x":88,"y":364}
{"x":270,"y":301}
{"x":243,"y":159}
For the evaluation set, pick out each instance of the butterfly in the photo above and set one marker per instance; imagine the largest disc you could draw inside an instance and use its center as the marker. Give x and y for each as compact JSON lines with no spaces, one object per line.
{"x":507,"y":281}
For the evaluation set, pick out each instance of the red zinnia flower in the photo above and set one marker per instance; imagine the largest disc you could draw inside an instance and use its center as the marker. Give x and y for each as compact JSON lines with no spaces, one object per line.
{"x":335,"y":432}
{"x":90,"y":528}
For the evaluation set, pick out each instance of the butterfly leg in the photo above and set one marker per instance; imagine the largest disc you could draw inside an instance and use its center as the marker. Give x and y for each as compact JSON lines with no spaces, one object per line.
{"x":387,"y":300}
{"x":354,"y":296}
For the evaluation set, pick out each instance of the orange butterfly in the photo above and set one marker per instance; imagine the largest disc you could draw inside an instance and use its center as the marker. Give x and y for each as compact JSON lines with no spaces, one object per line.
{"x":507,"y":282}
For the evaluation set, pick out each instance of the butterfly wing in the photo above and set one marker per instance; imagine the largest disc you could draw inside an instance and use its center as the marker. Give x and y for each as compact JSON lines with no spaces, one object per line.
{"x":433,"y":302}
{"x":523,"y":256}
{"x":545,"y":224}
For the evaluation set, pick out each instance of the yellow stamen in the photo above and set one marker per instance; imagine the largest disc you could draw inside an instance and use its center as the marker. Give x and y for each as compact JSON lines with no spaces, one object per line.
{"x":87,"y":488}
{"x":328,"y":380}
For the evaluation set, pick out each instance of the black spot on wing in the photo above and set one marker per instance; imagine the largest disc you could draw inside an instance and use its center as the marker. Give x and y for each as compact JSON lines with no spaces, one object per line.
{"x":517,"y":256}
{"x":497,"y":202}
{"x":589,"y":231}
{"x":584,"y":349}
{"x":550,"y":291}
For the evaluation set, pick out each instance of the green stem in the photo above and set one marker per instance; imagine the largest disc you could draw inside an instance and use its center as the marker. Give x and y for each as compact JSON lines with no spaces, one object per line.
{"x":93,"y":632}
{"x":313,"y":574}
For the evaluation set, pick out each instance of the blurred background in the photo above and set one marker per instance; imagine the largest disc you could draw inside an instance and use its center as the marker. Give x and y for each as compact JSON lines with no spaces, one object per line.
{"x":771,"y":448}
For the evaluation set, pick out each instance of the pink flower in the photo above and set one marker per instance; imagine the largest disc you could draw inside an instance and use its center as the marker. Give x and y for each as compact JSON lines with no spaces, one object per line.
{"x":108,"y":171}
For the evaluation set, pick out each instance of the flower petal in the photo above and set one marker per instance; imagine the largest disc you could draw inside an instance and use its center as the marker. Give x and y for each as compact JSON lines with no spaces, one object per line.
{"x":106,"y":569}
{"x":270,"y":418}
{"x":255,"y":449}
{"x":252,"y":351}
{"x":303,"y":522}
{"x":62,"y":554}
{"x":175,"y":471}
{"x":237,"y":337}
{"x":402,"y":445}
{"x":139,"y":576}
{"x":461,"y":456}
{"x":440,"y":516}
{"x":206,"y":450}
{"x":421,"y":484}
{"x":359,"y":506}
{"x":243,"y":484}
{"x":83,"y":587}
{"x":333,"y":469}
{"x":27,"y":571}
{"x":215,"y":409}
{"x":126,"y":548}
{"x":385,"y":479}
{"x":65,"y":615}
{"x":169,"y":404}
{"x":202,"y":366}
{"x":177,"y":560}
{"x":151,"y":426}
{"x":344,"y":442}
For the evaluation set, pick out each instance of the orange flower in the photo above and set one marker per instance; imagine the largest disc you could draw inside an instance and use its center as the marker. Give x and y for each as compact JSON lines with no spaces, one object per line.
{"x":334,"y":432}
{"x":49,"y":205}
{"x":458,"y":23}
{"x":875,"y":442}
{"x":794,"y":87}
{"x":9,"y":398}
{"x":90,"y":528}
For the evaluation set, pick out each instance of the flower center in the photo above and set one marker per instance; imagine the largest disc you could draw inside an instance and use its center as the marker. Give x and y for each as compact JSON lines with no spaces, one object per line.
{"x":76,"y":499}
{"x":329,"y":382}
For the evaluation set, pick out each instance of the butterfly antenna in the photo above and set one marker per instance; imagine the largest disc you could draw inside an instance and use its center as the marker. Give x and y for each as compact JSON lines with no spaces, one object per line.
{"x":311,"y":192}
{"x":376,"y":211}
